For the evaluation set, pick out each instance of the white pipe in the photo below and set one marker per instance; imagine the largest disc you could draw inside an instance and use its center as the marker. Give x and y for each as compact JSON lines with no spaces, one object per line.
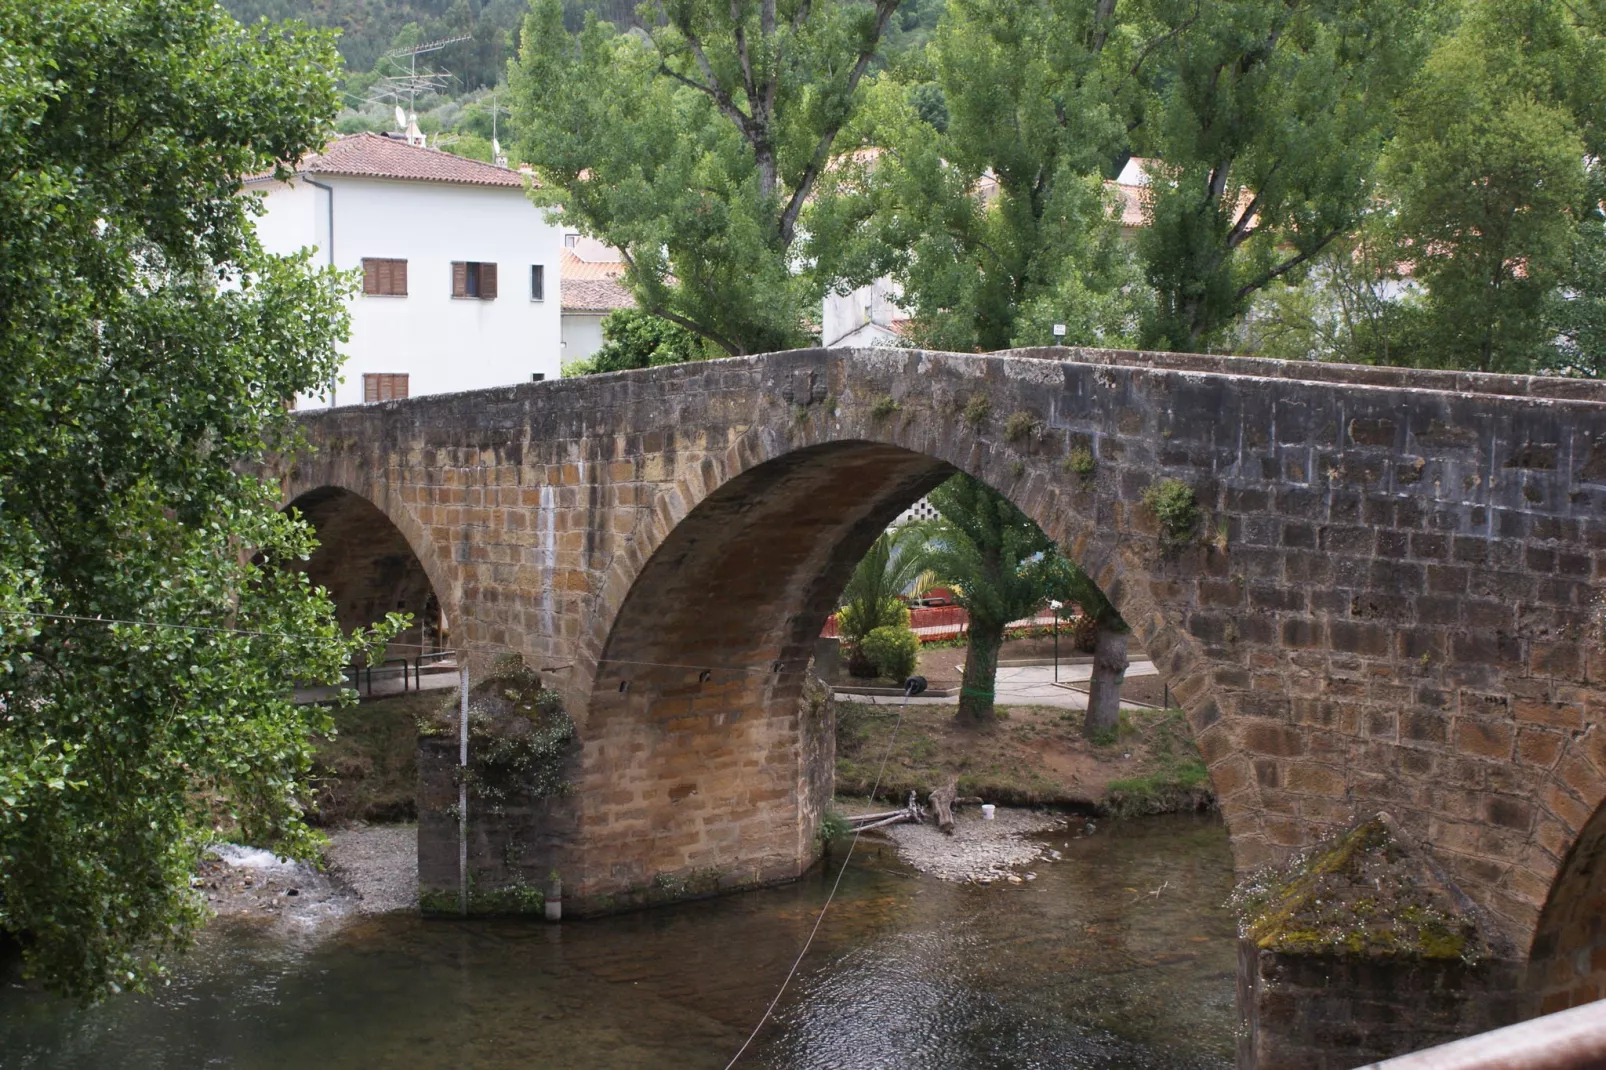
{"x":462,"y":785}
{"x":1567,"y":1040}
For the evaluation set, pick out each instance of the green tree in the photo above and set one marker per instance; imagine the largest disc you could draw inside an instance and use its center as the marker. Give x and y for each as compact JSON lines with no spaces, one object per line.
{"x":1001,"y":563}
{"x":635,"y":339}
{"x":1489,"y":175}
{"x":693,"y":146}
{"x":1269,"y":118}
{"x":150,"y":346}
{"x":984,"y":197}
{"x":1068,"y":583}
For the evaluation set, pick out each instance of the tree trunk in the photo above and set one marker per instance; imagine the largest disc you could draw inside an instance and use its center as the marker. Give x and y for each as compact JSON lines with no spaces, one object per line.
{"x":942,"y":803}
{"x":981,"y":671}
{"x":1104,"y":689}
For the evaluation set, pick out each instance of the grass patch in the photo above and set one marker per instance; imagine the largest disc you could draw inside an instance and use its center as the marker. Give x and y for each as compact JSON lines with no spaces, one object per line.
{"x":1176,"y":777}
{"x":368,"y":769}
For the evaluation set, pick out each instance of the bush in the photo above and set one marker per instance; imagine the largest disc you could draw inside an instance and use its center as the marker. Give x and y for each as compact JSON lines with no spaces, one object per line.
{"x":893,"y":651}
{"x":1084,"y":632}
{"x":1172,"y":503}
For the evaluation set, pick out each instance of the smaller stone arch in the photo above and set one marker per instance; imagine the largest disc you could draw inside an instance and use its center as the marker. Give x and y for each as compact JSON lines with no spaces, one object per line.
{"x":1567,"y":960}
{"x":371,"y":568}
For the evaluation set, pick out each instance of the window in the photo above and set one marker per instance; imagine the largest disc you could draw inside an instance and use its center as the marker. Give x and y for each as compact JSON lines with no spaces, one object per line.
{"x":537,"y":282}
{"x":384,"y":386}
{"x":471,"y":278}
{"x":386,"y":278}
{"x":570,"y":240}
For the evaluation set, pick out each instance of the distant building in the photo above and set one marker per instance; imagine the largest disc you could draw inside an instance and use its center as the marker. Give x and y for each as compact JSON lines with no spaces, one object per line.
{"x":591,"y":289}
{"x":460,"y":273}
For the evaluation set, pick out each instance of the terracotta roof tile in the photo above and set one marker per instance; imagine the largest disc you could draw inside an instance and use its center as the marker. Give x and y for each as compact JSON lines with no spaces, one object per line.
{"x":378,"y":156}
{"x":575,"y":269}
{"x":595,"y":295}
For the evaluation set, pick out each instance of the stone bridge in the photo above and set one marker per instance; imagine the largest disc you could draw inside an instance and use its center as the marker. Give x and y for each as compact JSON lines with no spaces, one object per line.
{"x":1391,"y":602}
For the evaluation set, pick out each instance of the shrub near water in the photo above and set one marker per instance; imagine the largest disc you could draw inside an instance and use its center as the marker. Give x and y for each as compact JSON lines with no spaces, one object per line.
{"x":893,"y":650}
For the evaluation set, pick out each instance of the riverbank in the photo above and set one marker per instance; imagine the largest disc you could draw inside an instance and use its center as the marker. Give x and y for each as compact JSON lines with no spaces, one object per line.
{"x":367,"y":869}
{"x":1029,"y":756}
{"x":1003,"y":849}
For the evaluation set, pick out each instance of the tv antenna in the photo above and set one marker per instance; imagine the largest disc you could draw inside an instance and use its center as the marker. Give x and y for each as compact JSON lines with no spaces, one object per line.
{"x":395,"y":87}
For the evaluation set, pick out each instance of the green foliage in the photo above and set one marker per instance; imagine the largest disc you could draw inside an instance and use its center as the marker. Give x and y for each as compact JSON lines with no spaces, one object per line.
{"x":693,"y":144}
{"x":1269,"y":119}
{"x":833,"y":826}
{"x":978,"y":410}
{"x":1490,"y":176}
{"x":987,"y":205}
{"x":520,"y":738}
{"x":884,"y":406}
{"x":635,"y":339}
{"x":1173,"y":505}
{"x":1022,"y":425}
{"x":1178,"y":778}
{"x":1080,"y":461}
{"x":872,"y":598}
{"x":999,"y":562}
{"x":369,"y":30}
{"x":893,"y":650}
{"x":150,"y":391}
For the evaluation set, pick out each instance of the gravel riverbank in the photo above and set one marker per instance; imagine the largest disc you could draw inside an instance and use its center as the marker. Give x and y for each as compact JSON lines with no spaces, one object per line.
{"x":371,"y":869}
{"x":980,"y":851}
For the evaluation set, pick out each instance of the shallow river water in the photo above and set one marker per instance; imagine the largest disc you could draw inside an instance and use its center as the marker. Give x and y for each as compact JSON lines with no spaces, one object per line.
{"x":1120,"y":956}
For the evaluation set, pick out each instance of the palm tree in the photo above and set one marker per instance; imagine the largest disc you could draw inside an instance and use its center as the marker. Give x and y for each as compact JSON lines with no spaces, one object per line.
{"x":1000,"y":562}
{"x":872,"y":599}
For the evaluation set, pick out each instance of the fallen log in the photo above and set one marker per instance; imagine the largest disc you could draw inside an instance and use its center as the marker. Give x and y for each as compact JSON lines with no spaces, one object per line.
{"x":942,"y":801}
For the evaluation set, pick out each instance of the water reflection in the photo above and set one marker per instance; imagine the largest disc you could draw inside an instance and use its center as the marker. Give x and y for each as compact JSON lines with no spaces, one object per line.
{"x":1120,"y":956}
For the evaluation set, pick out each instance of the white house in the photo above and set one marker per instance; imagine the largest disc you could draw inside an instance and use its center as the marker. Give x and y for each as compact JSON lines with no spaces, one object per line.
{"x":460,"y":272}
{"x":591,"y":289}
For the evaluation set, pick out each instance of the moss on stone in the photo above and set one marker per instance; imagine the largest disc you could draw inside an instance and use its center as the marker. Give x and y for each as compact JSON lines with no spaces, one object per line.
{"x":1364,"y":893}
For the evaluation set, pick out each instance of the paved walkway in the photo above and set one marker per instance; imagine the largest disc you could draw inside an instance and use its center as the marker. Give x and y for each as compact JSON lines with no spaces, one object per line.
{"x":1024,"y":685}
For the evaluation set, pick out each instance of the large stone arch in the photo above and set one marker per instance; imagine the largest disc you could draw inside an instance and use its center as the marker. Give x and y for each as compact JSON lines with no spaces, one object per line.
{"x":371,"y":568}
{"x":1567,"y":960}
{"x":745,"y":553}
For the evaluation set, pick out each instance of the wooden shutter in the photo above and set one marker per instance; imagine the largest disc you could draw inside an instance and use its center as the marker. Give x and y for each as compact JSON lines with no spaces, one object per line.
{"x":384,"y":277}
{"x":459,"y":278}
{"x":383,"y":386}
{"x":488,"y":282}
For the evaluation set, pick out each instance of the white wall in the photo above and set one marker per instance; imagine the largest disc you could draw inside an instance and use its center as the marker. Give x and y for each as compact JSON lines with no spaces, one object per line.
{"x":442,"y":343}
{"x":844,"y":316}
{"x":582,"y":335}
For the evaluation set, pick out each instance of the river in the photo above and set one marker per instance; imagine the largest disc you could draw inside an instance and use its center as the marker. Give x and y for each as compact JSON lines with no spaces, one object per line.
{"x":1119,"y":956}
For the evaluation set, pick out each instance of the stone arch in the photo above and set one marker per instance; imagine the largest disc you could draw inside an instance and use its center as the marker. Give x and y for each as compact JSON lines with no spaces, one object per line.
{"x":746,"y":554}
{"x":371,"y":568}
{"x":1567,"y":960}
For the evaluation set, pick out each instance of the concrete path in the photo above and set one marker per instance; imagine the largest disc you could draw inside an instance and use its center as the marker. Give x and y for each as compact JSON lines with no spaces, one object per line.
{"x":1026,"y":685}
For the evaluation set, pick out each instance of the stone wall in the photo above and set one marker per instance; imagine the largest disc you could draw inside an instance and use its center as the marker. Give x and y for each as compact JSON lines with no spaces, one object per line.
{"x":1389,"y":601}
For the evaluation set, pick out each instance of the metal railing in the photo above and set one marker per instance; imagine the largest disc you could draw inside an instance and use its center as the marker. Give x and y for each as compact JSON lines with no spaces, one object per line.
{"x":1567,"y":1040}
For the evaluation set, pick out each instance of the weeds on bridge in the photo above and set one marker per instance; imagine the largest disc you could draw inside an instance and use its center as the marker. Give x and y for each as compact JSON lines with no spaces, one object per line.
{"x":1173,"y":505}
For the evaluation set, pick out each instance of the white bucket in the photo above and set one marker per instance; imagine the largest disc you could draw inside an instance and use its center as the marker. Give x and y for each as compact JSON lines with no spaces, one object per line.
{"x":987,"y":811}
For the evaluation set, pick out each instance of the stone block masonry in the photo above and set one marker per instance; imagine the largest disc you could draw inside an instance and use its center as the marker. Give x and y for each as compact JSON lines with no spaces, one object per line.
{"x":1390,"y":602}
